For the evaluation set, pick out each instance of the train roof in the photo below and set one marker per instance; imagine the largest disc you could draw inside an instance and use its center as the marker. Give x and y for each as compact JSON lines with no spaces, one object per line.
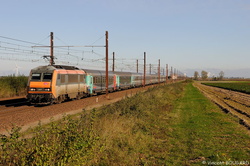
{"x":91,"y":71}
{"x":43,"y":69}
{"x":53,"y":67}
{"x":65,"y":67}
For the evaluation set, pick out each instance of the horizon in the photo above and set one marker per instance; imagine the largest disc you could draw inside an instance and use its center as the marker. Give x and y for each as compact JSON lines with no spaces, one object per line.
{"x":239,"y":73}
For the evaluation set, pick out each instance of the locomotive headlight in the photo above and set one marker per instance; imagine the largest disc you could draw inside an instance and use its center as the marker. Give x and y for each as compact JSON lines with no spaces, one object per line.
{"x":47,"y":89}
{"x":32,"y":89}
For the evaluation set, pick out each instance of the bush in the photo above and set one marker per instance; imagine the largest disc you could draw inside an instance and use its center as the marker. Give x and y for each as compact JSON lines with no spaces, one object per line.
{"x":11,"y":86}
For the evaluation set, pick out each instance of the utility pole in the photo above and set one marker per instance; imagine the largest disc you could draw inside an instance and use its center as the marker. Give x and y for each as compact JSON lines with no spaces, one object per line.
{"x":137,"y":70}
{"x":144,"y":74}
{"x":159,"y":71}
{"x":113,"y":68}
{"x":52,"y":48}
{"x":107,"y":68}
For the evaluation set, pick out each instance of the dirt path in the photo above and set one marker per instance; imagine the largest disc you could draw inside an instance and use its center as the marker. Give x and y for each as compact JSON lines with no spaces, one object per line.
{"x":236,"y":103}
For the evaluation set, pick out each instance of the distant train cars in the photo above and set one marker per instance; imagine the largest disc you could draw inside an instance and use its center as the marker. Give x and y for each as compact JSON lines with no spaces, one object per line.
{"x":57,"y":83}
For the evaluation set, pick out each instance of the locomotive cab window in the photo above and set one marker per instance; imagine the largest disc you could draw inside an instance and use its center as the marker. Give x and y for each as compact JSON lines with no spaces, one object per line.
{"x":36,"y":77}
{"x":47,"y":76}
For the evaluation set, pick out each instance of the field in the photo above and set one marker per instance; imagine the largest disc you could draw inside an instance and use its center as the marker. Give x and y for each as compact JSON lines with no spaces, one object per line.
{"x":11,"y":86}
{"x":240,"y":86}
{"x":166,"y":125}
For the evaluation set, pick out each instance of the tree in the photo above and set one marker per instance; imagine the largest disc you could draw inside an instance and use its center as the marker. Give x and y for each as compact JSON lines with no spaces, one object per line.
{"x":196,"y":75}
{"x":204,"y":75}
{"x":221,"y":75}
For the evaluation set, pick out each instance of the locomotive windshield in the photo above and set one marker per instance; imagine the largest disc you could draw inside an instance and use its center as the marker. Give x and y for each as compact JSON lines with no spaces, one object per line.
{"x":47,"y":76}
{"x":36,"y":76}
{"x":41,"y":76}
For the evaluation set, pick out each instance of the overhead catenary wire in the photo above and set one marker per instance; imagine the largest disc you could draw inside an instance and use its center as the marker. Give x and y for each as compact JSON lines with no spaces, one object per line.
{"x":21,"y":49}
{"x":19,"y":40}
{"x":88,"y":56}
{"x":98,"y":39}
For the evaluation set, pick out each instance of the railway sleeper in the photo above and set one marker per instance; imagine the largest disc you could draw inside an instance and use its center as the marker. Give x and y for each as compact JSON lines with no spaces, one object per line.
{"x":40,"y":99}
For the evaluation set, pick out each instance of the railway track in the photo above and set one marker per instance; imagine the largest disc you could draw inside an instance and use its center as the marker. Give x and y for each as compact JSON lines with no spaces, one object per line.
{"x":235,"y":103}
{"x":18,"y":112}
{"x":13,"y":101}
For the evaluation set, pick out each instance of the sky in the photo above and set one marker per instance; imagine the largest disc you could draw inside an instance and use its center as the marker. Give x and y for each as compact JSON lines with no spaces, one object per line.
{"x":189,"y":35}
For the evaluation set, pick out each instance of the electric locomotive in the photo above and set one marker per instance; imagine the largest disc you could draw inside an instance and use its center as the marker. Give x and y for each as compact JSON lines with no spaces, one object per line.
{"x":54,"y":84}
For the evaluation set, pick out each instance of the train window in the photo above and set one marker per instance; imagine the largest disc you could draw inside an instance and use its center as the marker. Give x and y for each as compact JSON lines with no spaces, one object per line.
{"x":99,"y":81}
{"x":63,"y":78}
{"x":73,"y":78}
{"x":70,"y":78}
{"x":36,"y":76}
{"x":47,"y":76}
{"x":110,"y":79}
{"x":58,"y":81}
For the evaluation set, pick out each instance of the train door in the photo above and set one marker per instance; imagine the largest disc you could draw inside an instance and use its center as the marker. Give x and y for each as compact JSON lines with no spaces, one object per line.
{"x":114,"y":82}
{"x":118,"y":81}
{"x":79,"y":83}
{"x":66,"y":83}
{"x":89,"y":82}
{"x":58,"y":84}
{"x":132,"y":81}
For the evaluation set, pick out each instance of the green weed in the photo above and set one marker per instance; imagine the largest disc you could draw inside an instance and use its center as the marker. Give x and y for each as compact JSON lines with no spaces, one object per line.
{"x":166,"y":125}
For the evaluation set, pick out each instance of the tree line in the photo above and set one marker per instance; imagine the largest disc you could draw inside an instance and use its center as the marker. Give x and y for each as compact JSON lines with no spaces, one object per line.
{"x":204,"y":76}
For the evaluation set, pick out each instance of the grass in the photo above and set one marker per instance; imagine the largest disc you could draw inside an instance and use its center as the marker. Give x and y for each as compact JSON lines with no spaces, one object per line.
{"x":204,"y":132}
{"x":167,"y":125}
